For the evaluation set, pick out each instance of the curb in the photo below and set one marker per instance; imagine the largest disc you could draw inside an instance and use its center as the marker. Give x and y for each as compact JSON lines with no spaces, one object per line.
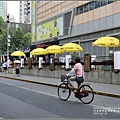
{"x":54,"y":85}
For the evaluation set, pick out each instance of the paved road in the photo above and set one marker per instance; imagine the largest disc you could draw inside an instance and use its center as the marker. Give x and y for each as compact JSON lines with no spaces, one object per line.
{"x":99,"y":88}
{"x":27,"y":100}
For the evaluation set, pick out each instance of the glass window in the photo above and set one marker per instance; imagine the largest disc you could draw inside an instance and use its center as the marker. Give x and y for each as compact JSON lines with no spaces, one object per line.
{"x":86,"y":8}
{"x":103,"y":3}
{"x":97,"y":4}
{"x":17,"y":25}
{"x":92,"y":5}
{"x":110,"y":2}
{"x":80,"y":10}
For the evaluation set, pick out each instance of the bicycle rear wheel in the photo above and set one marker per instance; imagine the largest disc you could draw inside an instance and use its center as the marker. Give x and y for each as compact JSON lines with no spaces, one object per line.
{"x":86,"y":94}
{"x":64,"y":91}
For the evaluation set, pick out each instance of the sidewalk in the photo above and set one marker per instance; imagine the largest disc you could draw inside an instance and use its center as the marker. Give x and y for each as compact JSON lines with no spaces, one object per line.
{"x":99,"y":88}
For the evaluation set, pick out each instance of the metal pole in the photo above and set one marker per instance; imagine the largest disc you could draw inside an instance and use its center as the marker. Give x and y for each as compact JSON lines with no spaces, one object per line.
{"x":8,"y":41}
{"x":7,"y":44}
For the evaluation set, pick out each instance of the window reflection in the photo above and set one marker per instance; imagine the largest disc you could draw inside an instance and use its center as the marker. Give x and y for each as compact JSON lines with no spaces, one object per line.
{"x":104,"y":3}
{"x":86,"y":8}
{"x":97,"y":4}
{"x":92,"y":5}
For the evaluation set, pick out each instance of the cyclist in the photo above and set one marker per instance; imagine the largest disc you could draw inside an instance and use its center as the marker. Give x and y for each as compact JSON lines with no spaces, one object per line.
{"x":78,"y":71}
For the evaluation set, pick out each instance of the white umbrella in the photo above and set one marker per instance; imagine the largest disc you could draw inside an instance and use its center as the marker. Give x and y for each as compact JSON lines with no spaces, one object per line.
{"x":17,"y":61}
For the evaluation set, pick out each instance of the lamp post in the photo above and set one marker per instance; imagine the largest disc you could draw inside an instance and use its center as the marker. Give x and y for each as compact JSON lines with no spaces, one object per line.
{"x":8,"y":39}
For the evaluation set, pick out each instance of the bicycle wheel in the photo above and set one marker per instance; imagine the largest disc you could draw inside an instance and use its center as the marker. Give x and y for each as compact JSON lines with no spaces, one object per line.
{"x":86,"y":94}
{"x":64,"y":91}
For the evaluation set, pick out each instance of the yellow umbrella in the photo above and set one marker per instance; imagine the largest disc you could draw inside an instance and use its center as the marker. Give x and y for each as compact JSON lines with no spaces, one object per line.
{"x":71,"y":47}
{"x":54,"y":49}
{"x":107,"y":42}
{"x":38,"y":51}
{"x":18,"y":53}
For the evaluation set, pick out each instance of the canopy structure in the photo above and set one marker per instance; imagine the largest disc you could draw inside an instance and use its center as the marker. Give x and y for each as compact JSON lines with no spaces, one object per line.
{"x":54,"y":49}
{"x":71,"y":47}
{"x":38,"y":51}
{"x":18,"y":53}
{"x":107,"y":42}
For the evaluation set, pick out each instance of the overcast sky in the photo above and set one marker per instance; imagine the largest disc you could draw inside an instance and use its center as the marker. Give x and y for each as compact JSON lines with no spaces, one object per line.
{"x":13,"y":9}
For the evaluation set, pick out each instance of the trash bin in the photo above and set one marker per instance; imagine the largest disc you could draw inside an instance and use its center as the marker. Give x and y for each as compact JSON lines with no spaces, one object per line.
{"x":87,"y":62}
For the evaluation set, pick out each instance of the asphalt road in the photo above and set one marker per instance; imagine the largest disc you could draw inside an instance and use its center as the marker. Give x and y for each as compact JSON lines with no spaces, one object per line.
{"x":27,"y":100}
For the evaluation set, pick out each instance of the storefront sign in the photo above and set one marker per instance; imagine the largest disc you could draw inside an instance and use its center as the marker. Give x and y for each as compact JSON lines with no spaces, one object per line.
{"x":42,"y":45}
{"x":50,"y":29}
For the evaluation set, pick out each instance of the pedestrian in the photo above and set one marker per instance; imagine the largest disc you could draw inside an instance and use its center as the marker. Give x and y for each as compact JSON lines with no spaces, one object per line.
{"x":4,"y":66}
{"x":17,"y":69}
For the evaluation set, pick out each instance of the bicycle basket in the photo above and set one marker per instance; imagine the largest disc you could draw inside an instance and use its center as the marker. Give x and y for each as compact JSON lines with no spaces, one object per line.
{"x":63,"y":78}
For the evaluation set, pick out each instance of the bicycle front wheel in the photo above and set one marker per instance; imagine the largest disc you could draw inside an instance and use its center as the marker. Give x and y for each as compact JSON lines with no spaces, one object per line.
{"x":64,"y":91}
{"x":86,"y":94}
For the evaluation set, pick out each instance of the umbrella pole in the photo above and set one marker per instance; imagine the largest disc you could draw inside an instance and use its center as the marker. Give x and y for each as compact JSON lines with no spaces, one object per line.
{"x":107,"y":51}
{"x":114,"y":48}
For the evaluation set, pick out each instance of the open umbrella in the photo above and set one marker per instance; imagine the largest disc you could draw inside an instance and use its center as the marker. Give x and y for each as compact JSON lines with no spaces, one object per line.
{"x":107,"y":42}
{"x":71,"y":47}
{"x":38,"y":51}
{"x":54,"y":49}
{"x":18,"y":53}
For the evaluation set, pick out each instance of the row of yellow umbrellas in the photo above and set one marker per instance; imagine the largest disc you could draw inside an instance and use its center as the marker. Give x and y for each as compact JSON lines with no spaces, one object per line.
{"x":56,"y":49}
{"x":71,"y":47}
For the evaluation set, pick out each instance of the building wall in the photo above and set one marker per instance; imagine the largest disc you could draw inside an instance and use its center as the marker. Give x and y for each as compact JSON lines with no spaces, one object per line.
{"x":25,"y":12}
{"x":24,"y":27}
{"x":3,"y":10}
{"x":83,"y":28}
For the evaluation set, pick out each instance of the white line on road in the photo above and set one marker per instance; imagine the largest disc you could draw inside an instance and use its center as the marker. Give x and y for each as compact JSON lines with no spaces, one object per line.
{"x":109,"y":109}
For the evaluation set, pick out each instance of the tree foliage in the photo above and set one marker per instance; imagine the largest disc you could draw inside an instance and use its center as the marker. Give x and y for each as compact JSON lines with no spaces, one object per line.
{"x":18,"y":39}
{"x":2,"y":36}
{"x":27,"y":40}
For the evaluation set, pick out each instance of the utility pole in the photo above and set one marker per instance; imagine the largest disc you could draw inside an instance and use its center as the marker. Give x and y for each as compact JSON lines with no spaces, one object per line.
{"x":8,"y":39}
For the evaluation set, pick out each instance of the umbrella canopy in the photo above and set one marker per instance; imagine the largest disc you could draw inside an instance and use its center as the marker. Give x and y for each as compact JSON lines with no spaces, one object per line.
{"x":54,"y":49}
{"x":71,"y":47}
{"x":107,"y":42}
{"x":18,"y":53}
{"x":38,"y":51}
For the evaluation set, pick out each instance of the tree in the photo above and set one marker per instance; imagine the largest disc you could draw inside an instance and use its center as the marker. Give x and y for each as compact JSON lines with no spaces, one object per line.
{"x":16,"y":40}
{"x":3,"y":36}
{"x":27,"y":40}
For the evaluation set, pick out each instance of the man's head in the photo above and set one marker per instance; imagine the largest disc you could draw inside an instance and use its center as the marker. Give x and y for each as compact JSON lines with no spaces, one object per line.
{"x":77,"y":60}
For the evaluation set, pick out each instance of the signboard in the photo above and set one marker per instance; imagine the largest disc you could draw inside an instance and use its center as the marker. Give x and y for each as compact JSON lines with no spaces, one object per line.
{"x":117,"y":60}
{"x":50,"y":29}
{"x":33,"y":21}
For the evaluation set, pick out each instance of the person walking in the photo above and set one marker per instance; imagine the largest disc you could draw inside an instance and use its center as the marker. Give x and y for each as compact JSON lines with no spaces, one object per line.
{"x":4,"y":66}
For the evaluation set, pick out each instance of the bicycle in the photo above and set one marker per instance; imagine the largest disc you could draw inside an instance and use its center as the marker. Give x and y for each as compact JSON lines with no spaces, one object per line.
{"x":85,"y":92}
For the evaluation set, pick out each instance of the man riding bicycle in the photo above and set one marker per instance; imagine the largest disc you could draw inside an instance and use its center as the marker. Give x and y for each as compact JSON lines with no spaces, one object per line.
{"x":78,"y":71}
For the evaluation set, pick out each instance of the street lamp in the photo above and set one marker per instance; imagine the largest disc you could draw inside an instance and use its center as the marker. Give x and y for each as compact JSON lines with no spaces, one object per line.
{"x":8,"y":39}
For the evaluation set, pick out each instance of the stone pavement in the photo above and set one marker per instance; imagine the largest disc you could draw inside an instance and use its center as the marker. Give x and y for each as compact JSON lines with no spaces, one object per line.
{"x":99,"y":88}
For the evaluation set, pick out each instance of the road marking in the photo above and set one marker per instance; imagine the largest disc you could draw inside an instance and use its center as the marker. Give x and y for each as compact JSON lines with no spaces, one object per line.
{"x":108,"y":108}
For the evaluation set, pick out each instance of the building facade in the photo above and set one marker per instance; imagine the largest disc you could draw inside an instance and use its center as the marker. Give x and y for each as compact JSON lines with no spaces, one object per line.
{"x":24,"y":27}
{"x":25,"y":12}
{"x":81,"y":22}
{"x":3,"y":9}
